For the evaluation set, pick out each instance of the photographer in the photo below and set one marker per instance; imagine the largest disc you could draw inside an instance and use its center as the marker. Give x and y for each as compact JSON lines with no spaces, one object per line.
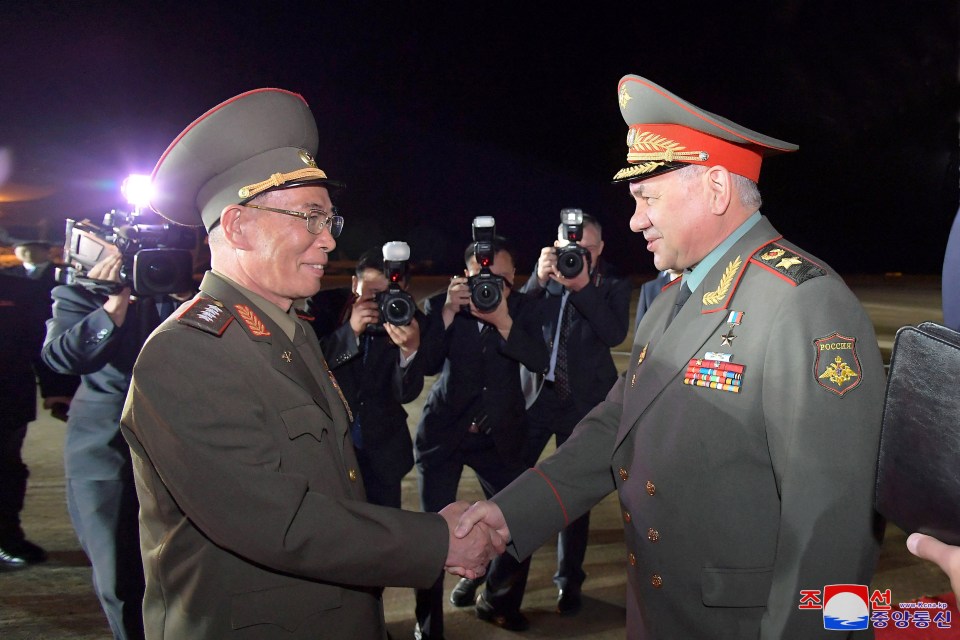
{"x":98,"y":337}
{"x":583,"y":316}
{"x":474,"y":415}
{"x":376,"y":366}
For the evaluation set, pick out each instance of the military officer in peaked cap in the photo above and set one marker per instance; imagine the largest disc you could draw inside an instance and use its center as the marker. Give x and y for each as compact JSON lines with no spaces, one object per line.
{"x":742,"y":439}
{"x":253,"y":522}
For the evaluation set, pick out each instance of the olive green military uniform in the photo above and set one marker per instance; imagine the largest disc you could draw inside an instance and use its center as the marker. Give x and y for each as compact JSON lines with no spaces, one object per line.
{"x":253,"y":520}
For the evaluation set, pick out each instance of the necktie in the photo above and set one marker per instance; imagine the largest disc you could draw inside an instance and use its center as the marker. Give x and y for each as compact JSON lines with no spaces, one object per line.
{"x":681,"y":299}
{"x":561,"y":374}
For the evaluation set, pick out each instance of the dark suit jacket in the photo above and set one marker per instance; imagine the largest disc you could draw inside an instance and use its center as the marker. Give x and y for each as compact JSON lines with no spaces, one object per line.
{"x":34,"y":307}
{"x":479,"y":375}
{"x":253,"y":522}
{"x":376,"y":387}
{"x":648,"y":291}
{"x":733,"y":502}
{"x":82,"y":340}
{"x":21,"y":337}
{"x":600,"y":323}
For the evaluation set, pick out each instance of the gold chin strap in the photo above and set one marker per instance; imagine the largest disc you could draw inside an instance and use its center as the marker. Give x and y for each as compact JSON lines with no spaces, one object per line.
{"x":279,"y":179}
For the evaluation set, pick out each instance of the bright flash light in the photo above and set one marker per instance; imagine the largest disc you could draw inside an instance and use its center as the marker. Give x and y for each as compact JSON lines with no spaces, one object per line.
{"x":137,"y":189}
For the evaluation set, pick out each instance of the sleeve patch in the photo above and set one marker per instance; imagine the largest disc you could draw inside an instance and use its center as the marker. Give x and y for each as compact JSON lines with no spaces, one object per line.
{"x":836,"y":367}
{"x":207,"y":315}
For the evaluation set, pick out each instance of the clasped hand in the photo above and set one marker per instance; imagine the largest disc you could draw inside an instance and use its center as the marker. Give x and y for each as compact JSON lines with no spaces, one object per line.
{"x":478,"y":534}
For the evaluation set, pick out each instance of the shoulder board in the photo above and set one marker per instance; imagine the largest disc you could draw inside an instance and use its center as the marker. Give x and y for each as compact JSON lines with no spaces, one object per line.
{"x":787,"y":264}
{"x":206,"y":314}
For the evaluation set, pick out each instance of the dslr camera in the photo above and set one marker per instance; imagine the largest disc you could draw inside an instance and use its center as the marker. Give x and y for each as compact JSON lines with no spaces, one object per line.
{"x":571,"y":258}
{"x":486,"y":288}
{"x":396,"y":305}
{"x":156,"y":258}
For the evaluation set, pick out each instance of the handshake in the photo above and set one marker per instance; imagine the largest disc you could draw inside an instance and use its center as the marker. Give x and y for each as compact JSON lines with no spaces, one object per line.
{"x":478,"y":534}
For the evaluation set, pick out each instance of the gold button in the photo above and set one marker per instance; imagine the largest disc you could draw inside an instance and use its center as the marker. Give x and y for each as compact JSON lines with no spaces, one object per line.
{"x":653,"y":535}
{"x":626,"y":516}
{"x":352,"y":474}
{"x":623,"y":474}
{"x":633,"y":559}
{"x":656,"y":581}
{"x":651,"y":488}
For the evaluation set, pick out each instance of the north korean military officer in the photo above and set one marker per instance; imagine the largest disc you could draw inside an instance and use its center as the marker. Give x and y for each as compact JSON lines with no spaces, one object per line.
{"x":253,"y":520}
{"x":742,"y":439}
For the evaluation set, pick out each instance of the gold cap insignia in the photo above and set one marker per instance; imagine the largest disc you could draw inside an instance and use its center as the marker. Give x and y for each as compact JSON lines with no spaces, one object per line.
{"x":307,"y":158}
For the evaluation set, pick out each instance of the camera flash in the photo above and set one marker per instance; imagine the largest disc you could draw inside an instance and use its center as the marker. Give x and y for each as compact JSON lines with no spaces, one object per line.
{"x":571,"y":216}
{"x":396,"y":251}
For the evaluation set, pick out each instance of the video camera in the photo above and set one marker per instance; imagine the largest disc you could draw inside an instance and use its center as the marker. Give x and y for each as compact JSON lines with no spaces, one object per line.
{"x":156,"y":257}
{"x":486,"y":289}
{"x":396,"y":305}
{"x":570,"y":259}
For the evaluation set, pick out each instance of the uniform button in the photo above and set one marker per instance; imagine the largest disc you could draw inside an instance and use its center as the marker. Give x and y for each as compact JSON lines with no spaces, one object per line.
{"x":626,"y":516}
{"x":633,"y":559}
{"x":623,"y":474}
{"x":651,"y":488}
{"x":656,"y":581}
{"x":352,"y":474}
{"x":653,"y":535}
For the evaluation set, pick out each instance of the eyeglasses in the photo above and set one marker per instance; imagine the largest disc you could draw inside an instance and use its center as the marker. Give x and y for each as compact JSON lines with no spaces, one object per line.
{"x":317,"y":219}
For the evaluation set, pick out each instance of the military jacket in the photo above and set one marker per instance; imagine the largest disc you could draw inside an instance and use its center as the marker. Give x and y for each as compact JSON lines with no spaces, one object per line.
{"x":742,"y":441}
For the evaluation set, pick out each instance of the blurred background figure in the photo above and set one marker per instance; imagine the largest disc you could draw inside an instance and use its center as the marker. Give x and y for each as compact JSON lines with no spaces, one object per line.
{"x":378,"y":370}
{"x":474,"y":416}
{"x":24,"y":307}
{"x":650,"y":289}
{"x":98,"y":336}
{"x":585,"y":313}
{"x":951,"y":278}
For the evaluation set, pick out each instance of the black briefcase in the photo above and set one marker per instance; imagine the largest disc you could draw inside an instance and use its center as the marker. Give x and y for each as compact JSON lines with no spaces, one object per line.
{"x":918,"y":473}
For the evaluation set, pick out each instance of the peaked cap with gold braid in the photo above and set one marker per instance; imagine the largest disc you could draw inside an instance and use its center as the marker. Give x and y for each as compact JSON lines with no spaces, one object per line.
{"x":257,"y":141}
{"x":667,"y":132}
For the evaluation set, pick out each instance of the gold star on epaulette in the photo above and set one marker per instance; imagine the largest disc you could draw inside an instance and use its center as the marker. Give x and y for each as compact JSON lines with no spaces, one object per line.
{"x":786,"y":263}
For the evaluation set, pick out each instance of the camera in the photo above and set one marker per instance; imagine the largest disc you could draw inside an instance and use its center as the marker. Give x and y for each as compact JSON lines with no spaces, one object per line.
{"x":156,"y":258}
{"x":486,"y":288}
{"x":396,"y":305}
{"x":570,"y":259}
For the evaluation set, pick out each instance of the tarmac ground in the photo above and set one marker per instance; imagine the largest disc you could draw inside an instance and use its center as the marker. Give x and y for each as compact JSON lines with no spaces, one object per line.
{"x":55,"y":600}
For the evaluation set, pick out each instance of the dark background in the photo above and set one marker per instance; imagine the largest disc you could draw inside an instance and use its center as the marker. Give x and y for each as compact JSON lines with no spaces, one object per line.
{"x":435,"y":112}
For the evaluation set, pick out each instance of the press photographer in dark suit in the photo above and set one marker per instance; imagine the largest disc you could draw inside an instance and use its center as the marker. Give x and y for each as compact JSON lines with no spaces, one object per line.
{"x":474,"y":415}
{"x":376,"y":366}
{"x":585,"y":313}
{"x":99,"y":337}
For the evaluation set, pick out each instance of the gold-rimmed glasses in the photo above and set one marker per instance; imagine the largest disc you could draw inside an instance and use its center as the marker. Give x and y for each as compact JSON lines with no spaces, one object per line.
{"x":317,"y":219}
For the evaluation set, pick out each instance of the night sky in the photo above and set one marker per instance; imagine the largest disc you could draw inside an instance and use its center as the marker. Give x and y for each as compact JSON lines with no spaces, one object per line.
{"x":433,"y":113}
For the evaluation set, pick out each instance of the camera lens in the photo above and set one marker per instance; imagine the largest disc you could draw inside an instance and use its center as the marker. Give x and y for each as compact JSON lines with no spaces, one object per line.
{"x":570,"y":264}
{"x":398,"y":312}
{"x":396,"y":307}
{"x":486,"y":296}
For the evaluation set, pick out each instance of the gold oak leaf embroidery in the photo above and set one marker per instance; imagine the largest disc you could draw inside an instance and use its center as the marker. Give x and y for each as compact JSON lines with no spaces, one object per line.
{"x":838,"y":372}
{"x":715,"y":296}
{"x":252,"y":321}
